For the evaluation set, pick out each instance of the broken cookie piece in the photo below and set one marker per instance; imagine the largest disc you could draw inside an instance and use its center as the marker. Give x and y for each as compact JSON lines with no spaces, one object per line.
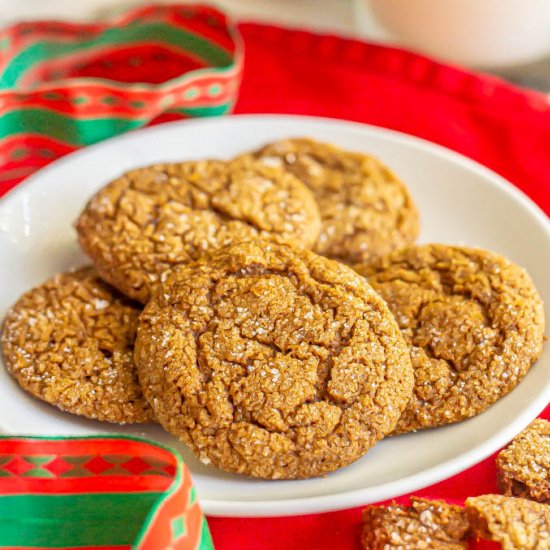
{"x":424,"y":524}
{"x":523,"y":468}
{"x":515,"y":523}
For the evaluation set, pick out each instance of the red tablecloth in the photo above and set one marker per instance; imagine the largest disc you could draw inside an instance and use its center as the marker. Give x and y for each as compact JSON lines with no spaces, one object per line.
{"x":503,"y":127}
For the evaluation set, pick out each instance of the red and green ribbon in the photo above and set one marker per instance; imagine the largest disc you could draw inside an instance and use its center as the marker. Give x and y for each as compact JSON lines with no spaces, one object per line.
{"x":100,"y":493}
{"x":64,"y":85}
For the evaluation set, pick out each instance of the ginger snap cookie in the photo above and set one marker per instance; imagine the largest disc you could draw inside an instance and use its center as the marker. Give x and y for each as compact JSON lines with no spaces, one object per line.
{"x":474,"y":323}
{"x":424,"y":524}
{"x":272,"y":362}
{"x":140,"y":225}
{"x":515,"y":523}
{"x":70,"y":343}
{"x":523,"y":467}
{"x":366,"y":211}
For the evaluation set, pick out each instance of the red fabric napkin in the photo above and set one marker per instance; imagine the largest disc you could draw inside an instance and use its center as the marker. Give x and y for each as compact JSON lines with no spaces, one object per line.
{"x":503,"y":127}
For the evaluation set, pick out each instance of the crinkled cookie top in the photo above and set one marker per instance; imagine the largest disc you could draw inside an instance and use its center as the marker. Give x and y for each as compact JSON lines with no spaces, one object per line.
{"x":70,"y":342}
{"x":272,"y":362}
{"x":366,"y":210}
{"x":142,"y":224}
{"x":474,"y":323}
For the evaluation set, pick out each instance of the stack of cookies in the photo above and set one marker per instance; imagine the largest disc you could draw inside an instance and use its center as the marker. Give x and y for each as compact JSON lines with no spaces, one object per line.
{"x":273,"y":313}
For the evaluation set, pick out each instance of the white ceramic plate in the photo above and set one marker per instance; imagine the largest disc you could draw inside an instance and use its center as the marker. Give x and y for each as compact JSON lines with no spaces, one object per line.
{"x":459,"y":201}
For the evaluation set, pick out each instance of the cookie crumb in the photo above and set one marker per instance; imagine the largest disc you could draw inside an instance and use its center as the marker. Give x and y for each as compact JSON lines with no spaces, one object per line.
{"x":515,"y":523}
{"x":523,"y":467}
{"x":423,"y":525}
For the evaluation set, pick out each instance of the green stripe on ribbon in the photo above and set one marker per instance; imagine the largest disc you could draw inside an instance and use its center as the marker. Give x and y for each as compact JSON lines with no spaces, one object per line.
{"x":38,"y":460}
{"x":206,"y":542}
{"x":213,"y":110}
{"x":64,"y":128}
{"x":137,"y":33}
{"x":53,"y":521}
{"x":82,"y":132}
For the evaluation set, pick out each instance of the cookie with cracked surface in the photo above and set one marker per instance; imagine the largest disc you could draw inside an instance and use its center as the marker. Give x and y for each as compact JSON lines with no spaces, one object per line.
{"x":474,"y":322}
{"x":70,"y":342}
{"x":423,"y":525}
{"x":140,"y":225}
{"x":523,"y":467}
{"x":366,"y":210}
{"x":515,"y":523}
{"x":272,"y":362}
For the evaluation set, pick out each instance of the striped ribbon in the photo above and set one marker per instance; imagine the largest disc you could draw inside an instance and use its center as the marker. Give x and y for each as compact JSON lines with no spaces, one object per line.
{"x":65,"y":86}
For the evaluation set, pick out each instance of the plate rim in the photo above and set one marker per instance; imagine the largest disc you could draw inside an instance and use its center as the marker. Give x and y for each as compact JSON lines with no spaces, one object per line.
{"x":348,"y":499}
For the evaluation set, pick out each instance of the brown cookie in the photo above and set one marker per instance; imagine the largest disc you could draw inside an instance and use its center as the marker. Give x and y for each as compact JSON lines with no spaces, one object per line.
{"x":424,"y":525}
{"x":366,"y":211}
{"x":523,"y":468}
{"x":272,"y":362}
{"x":70,"y":342}
{"x":515,"y":523}
{"x":139,"y":226}
{"x":474,"y":322}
